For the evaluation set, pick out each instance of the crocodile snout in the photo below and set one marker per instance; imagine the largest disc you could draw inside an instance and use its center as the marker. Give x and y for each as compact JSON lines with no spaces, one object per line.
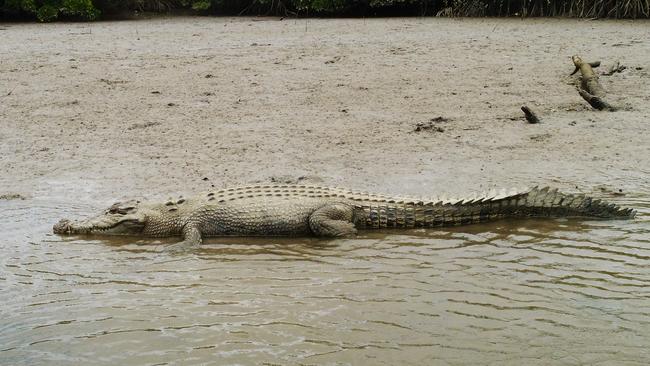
{"x":62,"y":227}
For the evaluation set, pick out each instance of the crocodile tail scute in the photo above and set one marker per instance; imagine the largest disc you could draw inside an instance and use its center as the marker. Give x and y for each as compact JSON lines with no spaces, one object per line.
{"x":547,"y":202}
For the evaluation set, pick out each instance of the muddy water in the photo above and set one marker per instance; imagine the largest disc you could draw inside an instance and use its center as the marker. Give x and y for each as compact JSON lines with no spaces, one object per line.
{"x":544,"y":292}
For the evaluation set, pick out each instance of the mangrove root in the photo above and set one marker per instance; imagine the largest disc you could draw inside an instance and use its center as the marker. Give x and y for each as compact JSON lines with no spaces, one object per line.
{"x":531,"y":117}
{"x":595,"y":101}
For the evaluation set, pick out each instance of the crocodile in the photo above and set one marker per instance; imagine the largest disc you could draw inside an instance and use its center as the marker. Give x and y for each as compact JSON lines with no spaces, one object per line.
{"x":302,"y":210}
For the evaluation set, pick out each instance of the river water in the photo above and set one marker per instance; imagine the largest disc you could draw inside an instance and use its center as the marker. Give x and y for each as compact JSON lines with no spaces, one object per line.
{"x":565,"y":292}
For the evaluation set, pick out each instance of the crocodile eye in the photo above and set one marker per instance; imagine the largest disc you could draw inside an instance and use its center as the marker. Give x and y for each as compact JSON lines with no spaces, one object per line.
{"x":114,"y":208}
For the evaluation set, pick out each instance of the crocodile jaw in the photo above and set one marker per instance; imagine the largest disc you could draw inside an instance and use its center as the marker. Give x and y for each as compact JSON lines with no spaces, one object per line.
{"x":106,"y":225}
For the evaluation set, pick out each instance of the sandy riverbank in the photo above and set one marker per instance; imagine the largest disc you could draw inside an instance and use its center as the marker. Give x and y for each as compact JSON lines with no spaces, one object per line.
{"x":102,"y":111}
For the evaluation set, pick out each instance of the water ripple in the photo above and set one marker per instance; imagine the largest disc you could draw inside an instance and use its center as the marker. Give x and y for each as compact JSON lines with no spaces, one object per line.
{"x":562,"y":291}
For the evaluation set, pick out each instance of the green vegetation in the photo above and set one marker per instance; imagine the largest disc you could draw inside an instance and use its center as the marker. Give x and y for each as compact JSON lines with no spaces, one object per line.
{"x":48,"y":10}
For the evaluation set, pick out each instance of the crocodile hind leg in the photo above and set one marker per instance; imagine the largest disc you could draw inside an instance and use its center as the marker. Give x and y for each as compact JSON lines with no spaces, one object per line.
{"x":332,"y":220}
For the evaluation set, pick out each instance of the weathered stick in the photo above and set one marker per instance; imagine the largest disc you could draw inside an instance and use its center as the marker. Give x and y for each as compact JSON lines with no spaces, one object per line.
{"x":531,"y":117}
{"x":589,"y":81}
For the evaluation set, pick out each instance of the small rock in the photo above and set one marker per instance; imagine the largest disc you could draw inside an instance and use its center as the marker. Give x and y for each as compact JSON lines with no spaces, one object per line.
{"x":540,"y":137}
{"x":333,"y":60}
{"x":439,"y":119}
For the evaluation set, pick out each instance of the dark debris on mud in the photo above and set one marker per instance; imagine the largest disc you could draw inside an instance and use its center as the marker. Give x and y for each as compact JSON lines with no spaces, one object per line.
{"x":136,"y":126}
{"x":12,"y":196}
{"x":289,"y":179}
{"x":432,"y":125}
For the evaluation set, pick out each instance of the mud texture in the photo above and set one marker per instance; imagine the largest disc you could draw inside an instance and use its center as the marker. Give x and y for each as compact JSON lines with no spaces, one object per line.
{"x":102,"y":111}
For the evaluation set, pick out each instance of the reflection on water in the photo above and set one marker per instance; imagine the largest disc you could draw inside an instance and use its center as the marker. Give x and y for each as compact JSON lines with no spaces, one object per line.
{"x":536,"y":292}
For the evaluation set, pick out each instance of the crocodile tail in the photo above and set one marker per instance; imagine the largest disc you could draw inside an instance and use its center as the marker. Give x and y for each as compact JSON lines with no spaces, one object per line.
{"x":542,"y":202}
{"x":535,"y":202}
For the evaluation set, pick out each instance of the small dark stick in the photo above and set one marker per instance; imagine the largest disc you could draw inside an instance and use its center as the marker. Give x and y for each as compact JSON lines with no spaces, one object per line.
{"x":531,"y":117}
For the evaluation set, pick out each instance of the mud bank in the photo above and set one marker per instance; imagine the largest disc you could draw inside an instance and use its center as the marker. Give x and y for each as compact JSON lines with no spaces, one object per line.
{"x":98,"y":112}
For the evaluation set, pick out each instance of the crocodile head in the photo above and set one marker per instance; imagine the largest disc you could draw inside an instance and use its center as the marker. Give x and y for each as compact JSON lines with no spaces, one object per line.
{"x":125,"y":218}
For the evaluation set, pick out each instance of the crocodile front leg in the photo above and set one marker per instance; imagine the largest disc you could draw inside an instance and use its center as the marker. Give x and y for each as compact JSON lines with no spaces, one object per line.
{"x":191,"y":239}
{"x":333,"y":220}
